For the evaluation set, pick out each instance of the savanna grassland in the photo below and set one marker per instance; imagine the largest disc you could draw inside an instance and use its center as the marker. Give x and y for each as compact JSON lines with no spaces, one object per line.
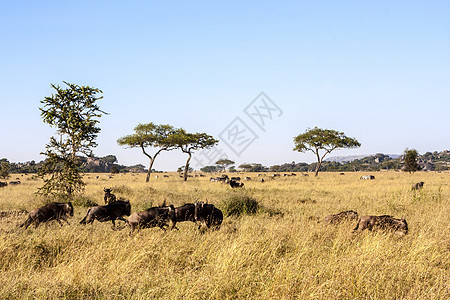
{"x":282,"y":252}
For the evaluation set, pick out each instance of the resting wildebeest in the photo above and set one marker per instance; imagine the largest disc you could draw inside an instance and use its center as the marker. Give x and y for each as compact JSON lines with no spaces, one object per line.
{"x":109,"y":197}
{"x":367,"y":177}
{"x":152,"y":217}
{"x":348,"y":215}
{"x":235,"y":184}
{"x":110,"y":212}
{"x":184,"y":213}
{"x":14,"y":182}
{"x":384,"y":222}
{"x":208,"y":214}
{"x":52,"y":211}
{"x":417,"y":186}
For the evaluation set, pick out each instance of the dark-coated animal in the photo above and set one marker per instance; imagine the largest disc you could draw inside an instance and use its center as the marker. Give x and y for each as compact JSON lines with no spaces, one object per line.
{"x":52,"y":211}
{"x":15,"y":182}
{"x":152,"y":217}
{"x":109,"y":197}
{"x":417,"y":186}
{"x":235,"y":184}
{"x":385,"y":222}
{"x":348,"y":215}
{"x":235,"y":178}
{"x":184,"y":213}
{"x":110,"y":212}
{"x":208,"y":214}
{"x":3,"y":184}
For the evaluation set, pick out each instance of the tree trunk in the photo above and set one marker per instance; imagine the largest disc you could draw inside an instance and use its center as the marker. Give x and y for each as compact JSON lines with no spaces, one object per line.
{"x":150,"y":169}
{"x":186,"y":167}
{"x":318,"y":162}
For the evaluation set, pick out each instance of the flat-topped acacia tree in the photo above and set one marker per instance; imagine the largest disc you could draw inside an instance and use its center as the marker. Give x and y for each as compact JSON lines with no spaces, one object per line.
{"x":150,"y":135}
{"x":317,"y":139}
{"x":190,"y":142}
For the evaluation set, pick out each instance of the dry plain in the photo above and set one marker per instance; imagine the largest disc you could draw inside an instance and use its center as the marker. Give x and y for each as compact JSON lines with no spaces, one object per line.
{"x":286,"y":255}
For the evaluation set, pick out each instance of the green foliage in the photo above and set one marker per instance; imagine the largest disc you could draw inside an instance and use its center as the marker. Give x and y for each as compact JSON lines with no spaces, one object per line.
{"x":190,"y":142}
{"x":209,"y":169}
{"x":4,"y":169}
{"x":238,"y":205}
{"x":151,"y":135}
{"x":224,"y":163}
{"x":317,"y":139}
{"x":410,"y":164}
{"x":74,"y":113}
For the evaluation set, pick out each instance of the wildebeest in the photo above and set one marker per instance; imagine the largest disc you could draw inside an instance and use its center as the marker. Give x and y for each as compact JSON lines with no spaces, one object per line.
{"x":384,"y":222}
{"x":3,"y":184}
{"x":110,"y":212}
{"x":109,"y":197}
{"x":14,"y":182}
{"x":166,"y":176}
{"x":348,"y":215}
{"x":12,"y":213}
{"x":248,"y":178}
{"x":52,"y":211}
{"x":262,"y":179}
{"x":235,"y":178}
{"x":235,"y":184}
{"x":367,"y":177}
{"x":208,"y":214}
{"x":305,"y":175}
{"x":152,"y":217}
{"x":184,"y":213}
{"x":417,"y":186}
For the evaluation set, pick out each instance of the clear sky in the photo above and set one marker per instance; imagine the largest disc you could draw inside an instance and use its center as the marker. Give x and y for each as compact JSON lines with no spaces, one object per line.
{"x":377,"y":70}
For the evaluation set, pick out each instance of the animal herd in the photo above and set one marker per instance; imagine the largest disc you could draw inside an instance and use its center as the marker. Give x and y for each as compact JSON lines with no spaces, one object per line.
{"x":198,"y":212}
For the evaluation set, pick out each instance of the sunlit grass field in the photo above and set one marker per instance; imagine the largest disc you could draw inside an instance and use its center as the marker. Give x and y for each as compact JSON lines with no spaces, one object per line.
{"x":288,"y":255}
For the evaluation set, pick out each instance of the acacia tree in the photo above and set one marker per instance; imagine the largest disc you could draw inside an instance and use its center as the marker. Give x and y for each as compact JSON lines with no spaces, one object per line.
{"x":411,"y":164}
{"x":190,"y":142}
{"x":224,"y":163}
{"x":150,"y":135}
{"x":316,"y":140}
{"x":4,"y":168}
{"x":74,"y":113}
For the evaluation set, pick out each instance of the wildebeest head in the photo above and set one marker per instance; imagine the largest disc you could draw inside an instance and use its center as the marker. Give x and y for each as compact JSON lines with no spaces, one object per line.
{"x":69,"y":208}
{"x":107,"y":191}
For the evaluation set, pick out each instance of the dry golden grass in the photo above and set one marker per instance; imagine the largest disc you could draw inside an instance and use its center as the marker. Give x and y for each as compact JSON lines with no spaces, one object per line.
{"x":260,"y":257}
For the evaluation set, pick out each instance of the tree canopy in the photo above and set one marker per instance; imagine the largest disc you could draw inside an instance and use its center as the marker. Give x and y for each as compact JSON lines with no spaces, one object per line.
{"x":326,"y":140}
{"x":74,"y":112}
{"x":190,"y":142}
{"x":410,"y":163}
{"x":151,"y":135}
{"x":224,"y":163}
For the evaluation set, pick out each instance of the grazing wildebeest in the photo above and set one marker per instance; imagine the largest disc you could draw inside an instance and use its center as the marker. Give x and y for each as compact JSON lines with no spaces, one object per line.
{"x":52,"y":211}
{"x":152,"y":217}
{"x":367,"y":177}
{"x":3,"y":184}
{"x":384,"y":222}
{"x":184,"y":213}
{"x":262,"y":179}
{"x":248,"y":178}
{"x":110,"y":212}
{"x":208,"y":214}
{"x":341,"y":173}
{"x":14,"y":182}
{"x":235,"y":178}
{"x":293,"y":174}
{"x":235,"y":184}
{"x":166,"y":176}
{"x":348,"y":215}
{"x":109,"y":197}
{"x":417,"y":186}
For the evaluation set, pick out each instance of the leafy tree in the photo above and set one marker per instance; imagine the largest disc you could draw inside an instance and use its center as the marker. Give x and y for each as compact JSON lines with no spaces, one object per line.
{"x":190,"y":142}
{"x":114,"y":170}
{"x":4,"y":168}
{"x":209,"y":169}
{"x":74,"y":112}
{"x":224,"y":163}
{"x":411,"y":164}
{"x":150,"y":135}
{"x":246,"y":167}
{"x":317,"y":139}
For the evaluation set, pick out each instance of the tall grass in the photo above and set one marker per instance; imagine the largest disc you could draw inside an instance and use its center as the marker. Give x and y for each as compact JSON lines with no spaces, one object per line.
{"x":258,"y":256}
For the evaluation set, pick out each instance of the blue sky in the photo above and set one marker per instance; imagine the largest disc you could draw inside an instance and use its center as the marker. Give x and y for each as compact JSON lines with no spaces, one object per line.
{"x":378,"y":71}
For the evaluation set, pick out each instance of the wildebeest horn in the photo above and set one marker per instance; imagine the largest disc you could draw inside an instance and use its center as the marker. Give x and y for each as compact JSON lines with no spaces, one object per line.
{"x":206,"y":200}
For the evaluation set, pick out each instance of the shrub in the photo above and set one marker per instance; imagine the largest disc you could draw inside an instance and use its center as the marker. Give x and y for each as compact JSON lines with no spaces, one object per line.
{"x":237,"y":205}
